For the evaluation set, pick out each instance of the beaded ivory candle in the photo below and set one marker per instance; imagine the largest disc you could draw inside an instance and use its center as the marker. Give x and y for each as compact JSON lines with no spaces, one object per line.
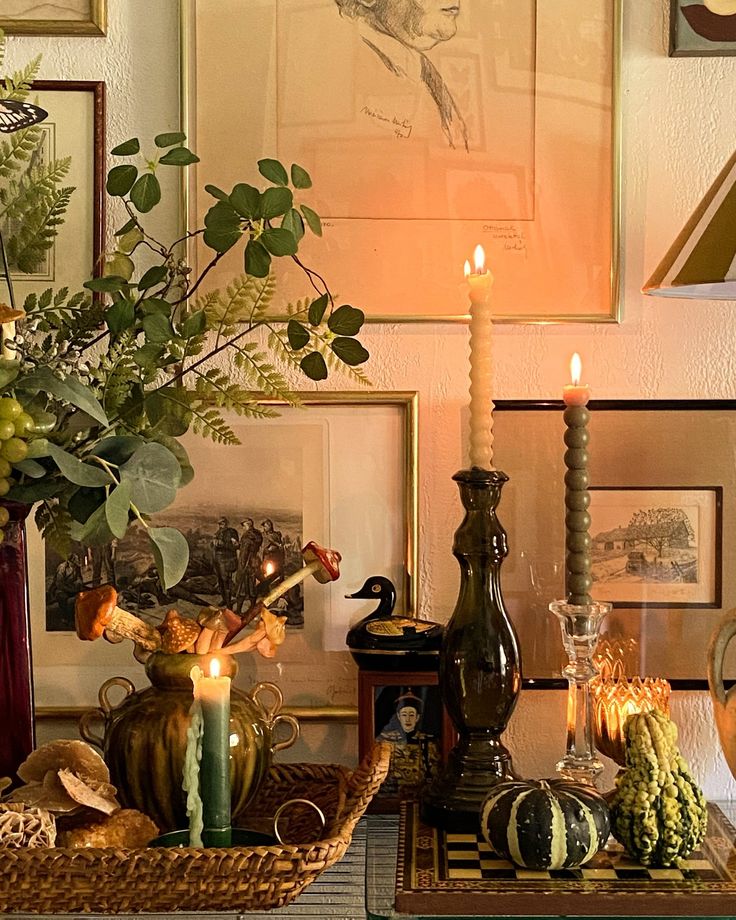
{"x":578,"y":579}
{"x":481,"y":364}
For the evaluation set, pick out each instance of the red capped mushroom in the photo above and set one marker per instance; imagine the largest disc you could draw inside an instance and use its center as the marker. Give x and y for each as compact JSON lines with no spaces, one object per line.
{"x":96,"y":612}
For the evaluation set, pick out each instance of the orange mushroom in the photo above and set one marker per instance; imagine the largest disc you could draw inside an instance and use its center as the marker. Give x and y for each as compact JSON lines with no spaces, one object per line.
{"x":96,"y":612}
{"x":178,"y":633}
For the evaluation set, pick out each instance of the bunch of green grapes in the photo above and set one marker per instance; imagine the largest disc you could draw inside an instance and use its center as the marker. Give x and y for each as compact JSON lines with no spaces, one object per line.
{"x":16,"y":426}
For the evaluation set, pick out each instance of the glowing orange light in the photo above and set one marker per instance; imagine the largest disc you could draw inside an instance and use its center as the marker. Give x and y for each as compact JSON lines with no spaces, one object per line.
{"x":576,"y":367}
{"x":467,"y":268}
{"x":479,"y":257}
{"x":215,"y":667}
{"x":269,"y":568}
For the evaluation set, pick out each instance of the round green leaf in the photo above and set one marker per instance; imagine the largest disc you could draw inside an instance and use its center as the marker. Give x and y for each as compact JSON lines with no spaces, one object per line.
{"x":276,"y":201}
{"x":300,"y":178}
{"x":317,"y":309}
{"x":110,"y":284}
{"x":298,"y":336}
{"x":158,"y":328}
{"x":129,"y":239}
{"x":76,"y":471}
{"x":169,"y":139}
{"x":346,"y":320}
{"x":154,"y":475}
{"x":146,"y":193}
{"x":349,"y":350}
{"x":155,"y":275}
{"x":127,"y":148}
{"x":179,"y":156}
{"x":279,"y":242}
{"x":273,"y":171}
{"x":312,"y":219}
{"x":178,"y":450}
{"x":171,"y":554}
{"x":120,"y":316}
{"x":246,"y":200}
{"x":117,"y":507}
{"x":294,"y":223}
{"x":257,"y":259}
{"x":216,"y":192}
{"x":168,"y":411}
{"x":313,"y":365}
{"x":120,"y":180}
{"x":119,"y":266}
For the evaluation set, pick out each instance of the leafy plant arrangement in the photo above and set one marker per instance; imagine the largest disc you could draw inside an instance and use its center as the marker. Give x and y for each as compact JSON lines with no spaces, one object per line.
{"x":100,"y":384}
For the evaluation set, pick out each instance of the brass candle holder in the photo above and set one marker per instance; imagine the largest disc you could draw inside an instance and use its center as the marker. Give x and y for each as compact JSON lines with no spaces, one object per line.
{"x":616,"y":697}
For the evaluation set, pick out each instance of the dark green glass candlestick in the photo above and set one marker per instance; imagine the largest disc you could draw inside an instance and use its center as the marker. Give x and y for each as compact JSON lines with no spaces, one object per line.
{"x":480,"y":667}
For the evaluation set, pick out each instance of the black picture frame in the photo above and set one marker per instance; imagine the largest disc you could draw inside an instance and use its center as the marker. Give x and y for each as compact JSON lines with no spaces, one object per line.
{"x":415,"y":758}
{"x":653,"y":444}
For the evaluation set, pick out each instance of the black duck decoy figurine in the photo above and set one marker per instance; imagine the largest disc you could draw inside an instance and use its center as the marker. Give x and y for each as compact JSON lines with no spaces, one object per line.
{"x":382,"y":641}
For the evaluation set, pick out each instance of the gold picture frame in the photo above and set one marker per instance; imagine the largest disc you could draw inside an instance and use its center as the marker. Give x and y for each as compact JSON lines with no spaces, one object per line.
{"x":87,"y":17}
{"x":68,"y":672}
{"x":562,"y":266}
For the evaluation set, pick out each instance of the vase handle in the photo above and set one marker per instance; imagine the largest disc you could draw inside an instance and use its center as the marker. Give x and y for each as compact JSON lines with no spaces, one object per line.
{"x":286,"y":719}
{"x":270,"y":711}
{"x":85,"y":729}
{"x":721,"y":636}
{"x":282,"y":808}
{"x":105,"y":705}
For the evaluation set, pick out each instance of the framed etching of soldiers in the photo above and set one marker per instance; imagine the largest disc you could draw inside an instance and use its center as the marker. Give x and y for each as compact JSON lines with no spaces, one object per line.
{"x":405,"y":709}
{"x":426,"y":129}
{"x":247,"y":513}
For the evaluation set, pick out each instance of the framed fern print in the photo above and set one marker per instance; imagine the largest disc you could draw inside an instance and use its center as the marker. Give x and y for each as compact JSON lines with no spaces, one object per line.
{"x":71,"y":151}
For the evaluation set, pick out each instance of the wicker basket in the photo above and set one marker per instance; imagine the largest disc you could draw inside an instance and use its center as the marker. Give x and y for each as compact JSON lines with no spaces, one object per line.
{"x":159,"y":880}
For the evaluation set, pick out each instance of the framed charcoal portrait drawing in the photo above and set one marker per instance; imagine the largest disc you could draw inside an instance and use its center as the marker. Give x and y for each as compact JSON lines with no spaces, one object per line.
{"x":404,"y":709}
{"x":663,"y":529}
{"x":425,"y":131}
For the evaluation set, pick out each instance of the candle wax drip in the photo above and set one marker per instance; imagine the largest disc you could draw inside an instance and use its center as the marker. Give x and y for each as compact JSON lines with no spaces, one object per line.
{"x":190,"y":783}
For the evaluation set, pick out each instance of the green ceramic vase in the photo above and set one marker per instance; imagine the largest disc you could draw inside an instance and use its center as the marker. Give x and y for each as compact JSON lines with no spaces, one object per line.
{"x":144,"y":737}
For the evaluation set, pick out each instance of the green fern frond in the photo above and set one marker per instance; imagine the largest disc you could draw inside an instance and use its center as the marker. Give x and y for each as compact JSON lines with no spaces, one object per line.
{"x":17,"y":150}
{"x":244,"y":301}
{"x":214,"y":386}
{"x":18,"y":84}
{"x":36,"y":234}
{"x":55,"y":524}
{"x":117,"y":373}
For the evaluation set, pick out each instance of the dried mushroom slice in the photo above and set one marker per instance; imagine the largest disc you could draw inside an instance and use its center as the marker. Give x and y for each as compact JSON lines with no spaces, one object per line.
{"x":22,"y":826}
{"x":77,"y":756}
{"x":99,"y":796}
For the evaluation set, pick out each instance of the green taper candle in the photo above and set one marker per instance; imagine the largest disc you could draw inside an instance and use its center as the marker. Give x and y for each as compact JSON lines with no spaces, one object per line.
{"x":578,"y":579}
{"x":213,"y":693}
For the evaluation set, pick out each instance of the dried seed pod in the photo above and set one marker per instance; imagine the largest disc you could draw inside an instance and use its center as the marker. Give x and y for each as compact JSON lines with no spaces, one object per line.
{"x":24,"y":826}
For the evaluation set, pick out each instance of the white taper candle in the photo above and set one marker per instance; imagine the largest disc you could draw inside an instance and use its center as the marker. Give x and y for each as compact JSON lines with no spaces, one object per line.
{"x":481,"y":363}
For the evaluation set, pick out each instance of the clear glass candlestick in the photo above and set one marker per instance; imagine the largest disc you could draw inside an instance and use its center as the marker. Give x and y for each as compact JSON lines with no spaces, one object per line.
{"x":580,"y":624}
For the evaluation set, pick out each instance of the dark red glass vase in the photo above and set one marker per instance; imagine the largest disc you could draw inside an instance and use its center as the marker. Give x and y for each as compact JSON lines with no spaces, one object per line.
{"x":16,"y":675}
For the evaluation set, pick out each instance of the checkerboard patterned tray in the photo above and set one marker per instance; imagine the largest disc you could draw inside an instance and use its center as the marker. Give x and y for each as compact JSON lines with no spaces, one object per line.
{"x":457,"y":874}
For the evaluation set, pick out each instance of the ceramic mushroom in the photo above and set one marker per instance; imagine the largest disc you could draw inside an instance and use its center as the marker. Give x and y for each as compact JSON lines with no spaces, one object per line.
{"x":96,"y":612}
{"x":216,"y":623}
{"x":322,"y":563}
{"x":178,"y":633}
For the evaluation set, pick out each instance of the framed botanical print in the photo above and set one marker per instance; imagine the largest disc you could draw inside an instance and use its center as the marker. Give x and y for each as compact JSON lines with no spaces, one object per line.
{"x":64,"y":17}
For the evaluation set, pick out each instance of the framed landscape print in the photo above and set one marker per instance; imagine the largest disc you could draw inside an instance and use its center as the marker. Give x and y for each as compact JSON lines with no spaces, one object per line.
{"x":74,"y":130}
{"x":423,"y":140}
{"x":662,"y":529}
{"x":61,"y":17}
{"x":246,"y":514}
{"x":702,"y":29}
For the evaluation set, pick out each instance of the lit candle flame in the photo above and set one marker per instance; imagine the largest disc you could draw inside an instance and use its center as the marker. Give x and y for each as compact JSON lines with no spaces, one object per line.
{"x":215,"y":667}
{"x":269,"y":568}
{"x":576,"y":366}
{"x":467,"y":268}
{"x":479,"y":257}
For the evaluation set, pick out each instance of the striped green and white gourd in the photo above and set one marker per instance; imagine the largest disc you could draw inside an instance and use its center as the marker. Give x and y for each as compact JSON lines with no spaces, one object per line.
{"x":545,"y":824}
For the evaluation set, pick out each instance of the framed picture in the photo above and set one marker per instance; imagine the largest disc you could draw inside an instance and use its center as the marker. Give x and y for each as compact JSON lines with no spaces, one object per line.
{"x":702,"y":29}
{"x":663,"y":527}
{"x":657,"y":547}
{"x":75,"y":128}
{"x":63,"y":17}
{"x":405,"y":709}
{"x":292,"y":479}
{"x":423,"y":140}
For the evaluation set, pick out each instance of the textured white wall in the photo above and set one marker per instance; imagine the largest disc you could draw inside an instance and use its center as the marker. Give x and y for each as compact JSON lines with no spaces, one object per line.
{"x":679,"y":118}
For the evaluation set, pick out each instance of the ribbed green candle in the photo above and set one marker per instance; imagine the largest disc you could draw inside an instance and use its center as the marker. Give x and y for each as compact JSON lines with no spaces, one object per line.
{"x":578,"y":579}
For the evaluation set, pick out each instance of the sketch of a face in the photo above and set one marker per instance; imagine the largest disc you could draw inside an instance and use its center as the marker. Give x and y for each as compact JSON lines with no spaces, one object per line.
{"x":420,"y":24}
{"x":408,"y":718}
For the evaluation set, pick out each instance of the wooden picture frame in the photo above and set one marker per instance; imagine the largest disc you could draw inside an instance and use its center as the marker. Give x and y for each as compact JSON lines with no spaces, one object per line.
{"x":75,"y":128}
{"x":402,"y":211}
{"x":696,"y":31}
{"x":308,"y":445}
{"x":421,"y":742}
{"x":680,"y":447}
{"x":74,"y":17}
